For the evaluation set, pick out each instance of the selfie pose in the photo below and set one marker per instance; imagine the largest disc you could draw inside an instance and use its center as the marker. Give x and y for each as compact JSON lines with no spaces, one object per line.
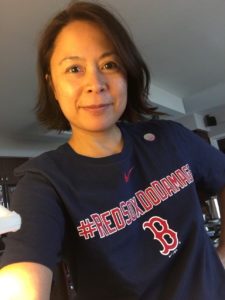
{"x":118,"y":203}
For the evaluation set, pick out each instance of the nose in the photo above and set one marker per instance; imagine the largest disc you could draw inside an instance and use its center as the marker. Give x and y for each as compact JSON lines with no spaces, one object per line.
{"x":96,"y":81}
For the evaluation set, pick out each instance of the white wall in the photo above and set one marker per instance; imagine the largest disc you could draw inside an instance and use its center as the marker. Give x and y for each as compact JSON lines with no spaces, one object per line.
{"x":192,"y":121}
{"x":164,"y":99}
{"x":17,"y":147}
{"x":203,"y":100}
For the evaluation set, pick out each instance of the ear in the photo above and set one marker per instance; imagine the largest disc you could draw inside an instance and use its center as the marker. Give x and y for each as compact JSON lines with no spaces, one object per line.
{"x":48,"y":78}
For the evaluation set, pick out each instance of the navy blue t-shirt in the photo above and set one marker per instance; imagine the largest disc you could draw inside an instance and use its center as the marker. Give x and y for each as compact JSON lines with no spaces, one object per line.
{"x":130,"y":225}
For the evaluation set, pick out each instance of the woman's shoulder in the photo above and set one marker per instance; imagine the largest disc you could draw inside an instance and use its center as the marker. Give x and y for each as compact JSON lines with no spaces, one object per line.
{"x":154,"y":126}
{"x":42,"y":162}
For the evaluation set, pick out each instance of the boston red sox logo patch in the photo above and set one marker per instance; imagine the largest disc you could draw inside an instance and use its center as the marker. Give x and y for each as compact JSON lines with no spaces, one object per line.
{"x":165,"y":235}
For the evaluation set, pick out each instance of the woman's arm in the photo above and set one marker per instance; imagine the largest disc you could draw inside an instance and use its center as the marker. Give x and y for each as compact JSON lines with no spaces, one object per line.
{"x":25,"y":281}
{"x":221,"y":247}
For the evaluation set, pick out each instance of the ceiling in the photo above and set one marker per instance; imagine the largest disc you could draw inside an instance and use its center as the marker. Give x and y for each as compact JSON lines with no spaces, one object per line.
{"x":183,"y":42}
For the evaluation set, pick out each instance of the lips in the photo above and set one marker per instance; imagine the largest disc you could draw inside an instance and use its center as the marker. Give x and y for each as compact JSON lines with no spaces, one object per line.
{"x":96,"y":108}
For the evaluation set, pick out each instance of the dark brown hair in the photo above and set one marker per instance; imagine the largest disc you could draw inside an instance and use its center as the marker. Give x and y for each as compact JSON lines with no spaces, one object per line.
{"x":138,"y":77}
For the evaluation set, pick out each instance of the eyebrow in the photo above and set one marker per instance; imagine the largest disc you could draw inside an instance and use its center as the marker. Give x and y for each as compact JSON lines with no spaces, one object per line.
{"x":106,"y":54}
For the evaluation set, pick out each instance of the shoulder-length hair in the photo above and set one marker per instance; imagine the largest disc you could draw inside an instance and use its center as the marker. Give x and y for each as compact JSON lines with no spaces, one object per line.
{"x":47,"y":108}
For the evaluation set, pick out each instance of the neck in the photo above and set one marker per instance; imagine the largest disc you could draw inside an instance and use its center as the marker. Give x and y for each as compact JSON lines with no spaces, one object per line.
{"x":97,"y":144}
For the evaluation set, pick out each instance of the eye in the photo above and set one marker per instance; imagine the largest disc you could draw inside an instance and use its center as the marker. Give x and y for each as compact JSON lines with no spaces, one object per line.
{"x":110,"y":66}
{"x":75,"y":69}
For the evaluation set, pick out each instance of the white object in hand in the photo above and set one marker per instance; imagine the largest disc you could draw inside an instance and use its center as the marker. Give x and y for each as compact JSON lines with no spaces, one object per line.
{"x":9,"y":220}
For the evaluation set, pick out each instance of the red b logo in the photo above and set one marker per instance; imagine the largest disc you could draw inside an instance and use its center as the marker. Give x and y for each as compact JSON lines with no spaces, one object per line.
{"x":166,"y":236}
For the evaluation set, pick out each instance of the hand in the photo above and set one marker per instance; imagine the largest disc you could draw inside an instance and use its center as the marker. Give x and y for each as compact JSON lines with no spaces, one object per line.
{"x":221,"y":252}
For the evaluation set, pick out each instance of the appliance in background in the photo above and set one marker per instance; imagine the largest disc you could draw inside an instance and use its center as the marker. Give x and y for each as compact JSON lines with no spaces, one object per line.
{"x":212,"y":218}
{"x":6,"y":191}
{"x":8,"y":180}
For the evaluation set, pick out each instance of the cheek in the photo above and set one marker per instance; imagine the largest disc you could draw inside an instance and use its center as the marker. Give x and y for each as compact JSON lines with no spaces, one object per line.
{"x":63,"y":97}
{"x":122,"y":90}
{"x":61,"y":91}
{"x":66,"y":92}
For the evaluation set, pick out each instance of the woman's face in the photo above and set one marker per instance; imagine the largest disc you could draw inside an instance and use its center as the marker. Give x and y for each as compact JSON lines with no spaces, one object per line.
{"x":88,"y":79}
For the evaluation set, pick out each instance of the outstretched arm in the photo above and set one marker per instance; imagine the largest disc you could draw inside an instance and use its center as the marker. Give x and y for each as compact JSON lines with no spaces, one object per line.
{"x":25,"y":281}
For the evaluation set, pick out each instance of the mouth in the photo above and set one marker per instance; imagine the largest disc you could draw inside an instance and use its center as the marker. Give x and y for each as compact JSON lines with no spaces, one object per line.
{"x":96,"y":108}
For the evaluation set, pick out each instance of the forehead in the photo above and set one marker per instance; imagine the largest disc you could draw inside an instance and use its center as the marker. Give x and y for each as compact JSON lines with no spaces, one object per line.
{"x":82,"y":34}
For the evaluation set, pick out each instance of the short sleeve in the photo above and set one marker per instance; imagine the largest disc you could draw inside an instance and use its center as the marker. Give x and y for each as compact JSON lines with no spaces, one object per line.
{"x":40,"y":237}
{"x":208,"y":163}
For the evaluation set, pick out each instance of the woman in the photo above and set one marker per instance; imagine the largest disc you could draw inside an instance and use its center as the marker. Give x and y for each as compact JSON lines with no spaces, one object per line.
{"x":118,"y":202}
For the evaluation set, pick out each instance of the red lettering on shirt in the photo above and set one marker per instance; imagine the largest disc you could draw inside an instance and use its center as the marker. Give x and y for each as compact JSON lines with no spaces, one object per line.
{"x":138,"y":211}
{"x":100,"y":225}
{"x":188,"y":173}
{"x":168,"y":187}
{"x":175,"y":181}
{"x":125,"y":212}
{"x":182,"y":177}
{"x":131,"y":210}
{"x":118,"y":218}
{"x":107,"y":222}
{"x":144,"y":200}
{"x":159,"y":190}
{"x":115,"y":219}
{"x":152,"y":195}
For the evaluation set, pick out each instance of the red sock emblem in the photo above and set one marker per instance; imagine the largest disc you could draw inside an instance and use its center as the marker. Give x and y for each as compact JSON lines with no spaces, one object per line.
{"x":166,"y":236}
